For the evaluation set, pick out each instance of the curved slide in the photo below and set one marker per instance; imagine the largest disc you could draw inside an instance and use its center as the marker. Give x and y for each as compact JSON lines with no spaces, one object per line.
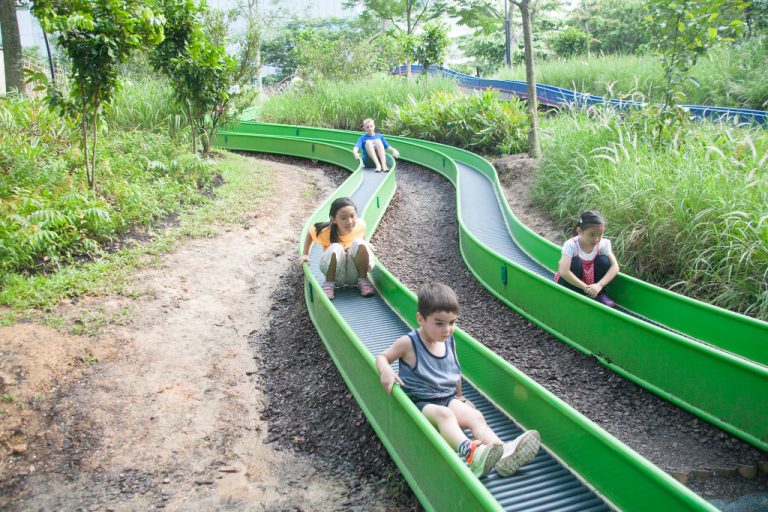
{"x":581,"y":468}
{"x":559,"y":97}
{"x":707,"y":360}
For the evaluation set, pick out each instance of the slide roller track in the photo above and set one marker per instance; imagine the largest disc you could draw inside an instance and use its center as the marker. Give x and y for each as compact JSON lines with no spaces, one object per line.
{"x":559,"y":97}
{"x":354,"y":329}
{"x":707,"y":360}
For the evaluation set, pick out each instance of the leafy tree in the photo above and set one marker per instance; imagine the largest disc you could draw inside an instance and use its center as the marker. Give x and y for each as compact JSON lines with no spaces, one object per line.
{"x":431,"y":47}
{"x":97,"y":36}
{"x":756,"y":17}
{"x":333,"y":48}
{"x":199,"y":69}
{"x":404,"y":15}
{"x":569,"y":42}
{"x":683,"y":31}
{"x":12,"y":54}
{"x":486,"y":51}
{"x":613,"y":26}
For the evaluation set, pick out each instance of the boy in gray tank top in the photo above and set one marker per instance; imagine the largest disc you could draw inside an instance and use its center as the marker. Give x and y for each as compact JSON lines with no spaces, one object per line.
{"x":430,"y":375}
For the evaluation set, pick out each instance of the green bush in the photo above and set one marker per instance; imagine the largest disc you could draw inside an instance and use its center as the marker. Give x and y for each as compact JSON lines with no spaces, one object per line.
{"x":480,"y":122}
{"x":344,"y":105}
{"x":49,"y":217}
{"x":690,"y":215}
{"x":569,"y":42}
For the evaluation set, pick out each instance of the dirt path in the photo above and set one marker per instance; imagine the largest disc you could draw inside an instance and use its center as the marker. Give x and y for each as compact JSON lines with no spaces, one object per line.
{"x":163,"y":411}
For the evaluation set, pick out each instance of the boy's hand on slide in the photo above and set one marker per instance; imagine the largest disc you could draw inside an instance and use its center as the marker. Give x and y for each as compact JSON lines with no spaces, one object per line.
{"x":304,"y":258}
{"x":388,"y":381}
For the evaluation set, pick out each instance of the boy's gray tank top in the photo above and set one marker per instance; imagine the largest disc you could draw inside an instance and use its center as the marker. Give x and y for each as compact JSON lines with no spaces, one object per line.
{"x":432,"y":377}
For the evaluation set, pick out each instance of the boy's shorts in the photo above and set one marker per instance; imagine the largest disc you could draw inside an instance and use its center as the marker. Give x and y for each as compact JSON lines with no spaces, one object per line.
{"x":421,"y":404}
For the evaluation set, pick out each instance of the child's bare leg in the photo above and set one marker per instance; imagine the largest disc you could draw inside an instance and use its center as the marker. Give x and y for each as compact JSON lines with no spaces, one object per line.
{"x":362,"y":259}
{"x":371,"y":152}
{"x":467,"y":417}
{"x":331,"y":274}
{"x":379,"y":147}
{"x":445,"y":421}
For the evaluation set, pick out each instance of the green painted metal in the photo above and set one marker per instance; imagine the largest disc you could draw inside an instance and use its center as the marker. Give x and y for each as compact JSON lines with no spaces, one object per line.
{"x":708,"y":377}
{"x":622,"y":476}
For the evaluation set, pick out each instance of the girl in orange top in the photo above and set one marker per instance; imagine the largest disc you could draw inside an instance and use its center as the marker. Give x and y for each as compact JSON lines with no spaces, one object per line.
{"x":347,"y":256}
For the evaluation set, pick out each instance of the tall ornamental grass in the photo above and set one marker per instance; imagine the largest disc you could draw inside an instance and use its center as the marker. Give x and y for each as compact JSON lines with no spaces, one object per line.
{"x":344,"y":105}
{"x":147,"y":103}
{"x":729,"y":76}
{"x":690,"y":214}
{"x":478,"y":122}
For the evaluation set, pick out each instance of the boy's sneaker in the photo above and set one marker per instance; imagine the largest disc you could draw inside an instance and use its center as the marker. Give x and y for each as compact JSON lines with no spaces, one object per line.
{"x":366,"y":288}
{"x":329,"y":287}
{"x":518,"y":453}
{"x":604,"y":299}
{"x":482,"y":457}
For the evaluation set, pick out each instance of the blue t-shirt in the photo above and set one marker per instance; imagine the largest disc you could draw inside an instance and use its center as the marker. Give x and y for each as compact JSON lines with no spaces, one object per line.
{"x":365,"y":138}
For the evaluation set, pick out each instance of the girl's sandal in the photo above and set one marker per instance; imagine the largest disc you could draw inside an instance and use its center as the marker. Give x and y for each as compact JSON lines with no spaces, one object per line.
{"x":366,"y":288}
{"x":329,"y":288}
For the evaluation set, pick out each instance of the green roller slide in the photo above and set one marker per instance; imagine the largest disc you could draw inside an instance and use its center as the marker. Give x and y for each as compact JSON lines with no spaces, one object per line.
{"x":709,"y":361}
{"x":581,"y":467}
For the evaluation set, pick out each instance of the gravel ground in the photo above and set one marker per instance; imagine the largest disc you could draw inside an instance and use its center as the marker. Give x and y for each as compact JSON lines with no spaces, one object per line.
{"x":310,"y":409}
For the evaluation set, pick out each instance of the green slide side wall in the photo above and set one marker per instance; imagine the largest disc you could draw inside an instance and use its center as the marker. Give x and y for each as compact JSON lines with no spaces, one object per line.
{"x":618,"y":473}
{"x":696,"y":376}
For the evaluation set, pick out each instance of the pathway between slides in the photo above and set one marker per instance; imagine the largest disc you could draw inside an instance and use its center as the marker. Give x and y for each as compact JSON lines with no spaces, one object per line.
{"x":515,"y":265}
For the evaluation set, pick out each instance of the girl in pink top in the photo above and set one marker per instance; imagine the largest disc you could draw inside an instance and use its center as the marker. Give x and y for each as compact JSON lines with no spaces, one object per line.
{"x":347,"y":256}
{"x":587,"y":263}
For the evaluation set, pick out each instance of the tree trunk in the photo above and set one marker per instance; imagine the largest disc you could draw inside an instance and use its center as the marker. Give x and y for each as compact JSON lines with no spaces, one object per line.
{"x":95,"y":129}
{"x":9,"y":25}
{"x":534,"y":147}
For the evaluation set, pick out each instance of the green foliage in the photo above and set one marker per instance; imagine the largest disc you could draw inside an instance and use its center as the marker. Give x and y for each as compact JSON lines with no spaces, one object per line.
{"x":569,"y":42}
{"x":245,"y":188}
{"x":613,"y":26}
{"x":344,"y":105}
{"x":405,"y":15}
{"x":683,"y":31}
{"x":320,"y":58}
{"x":431,"y":45}
{"x":333,"y":48}
{"x":97,"y":36}
{"x":48,"y":219}
{"x":199,"y":69}
{"x":480,"y":122}
{"x":689,"y":215}
{"x":484,"y":17}
{"x":147,"y":103}
{"x":756,"y":18}
{"x":486,"y":52}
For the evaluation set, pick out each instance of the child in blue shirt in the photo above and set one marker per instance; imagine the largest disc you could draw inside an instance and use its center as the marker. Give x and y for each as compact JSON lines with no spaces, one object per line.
{"x":431,"y":377}
{"x":373,"y":145}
